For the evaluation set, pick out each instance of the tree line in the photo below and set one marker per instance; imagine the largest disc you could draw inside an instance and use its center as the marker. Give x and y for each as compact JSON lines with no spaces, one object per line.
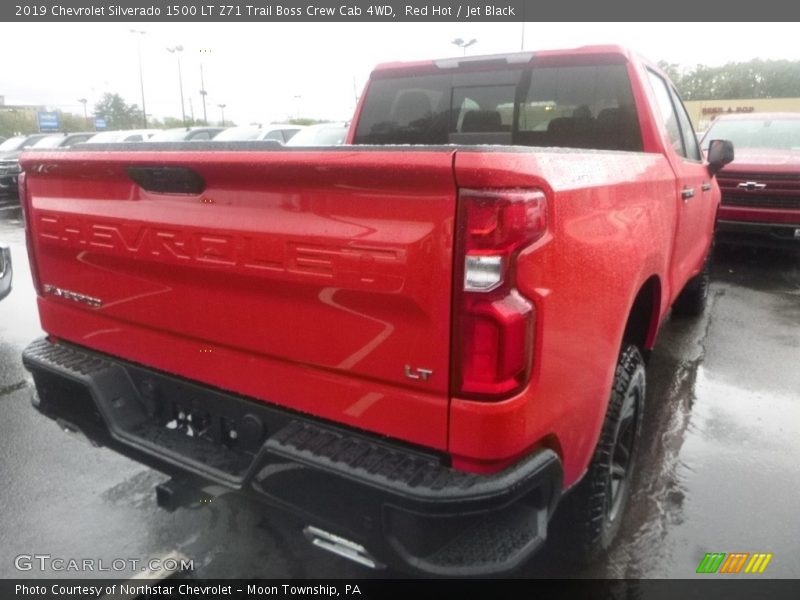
{"x":117,"y":113}
{"x":752,"y":79}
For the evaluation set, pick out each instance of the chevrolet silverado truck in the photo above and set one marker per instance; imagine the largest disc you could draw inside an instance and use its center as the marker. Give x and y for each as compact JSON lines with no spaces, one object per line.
{"x":419,"y":342}
{"x":761,"y":188}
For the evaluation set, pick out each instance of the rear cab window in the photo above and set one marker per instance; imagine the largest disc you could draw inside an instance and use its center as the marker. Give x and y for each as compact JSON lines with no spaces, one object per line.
{"x":569,"y":106}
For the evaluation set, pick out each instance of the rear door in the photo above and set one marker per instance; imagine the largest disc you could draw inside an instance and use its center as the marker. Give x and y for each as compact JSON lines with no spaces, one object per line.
{"x":697,"y":196}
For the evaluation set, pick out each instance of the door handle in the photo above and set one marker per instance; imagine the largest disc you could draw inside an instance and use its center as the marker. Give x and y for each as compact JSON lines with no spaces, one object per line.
{"x":706,"y":187}
{"x":687,"y":193}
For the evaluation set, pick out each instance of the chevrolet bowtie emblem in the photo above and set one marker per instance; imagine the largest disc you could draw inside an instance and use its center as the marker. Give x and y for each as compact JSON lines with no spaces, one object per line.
{"x":751,"y":185}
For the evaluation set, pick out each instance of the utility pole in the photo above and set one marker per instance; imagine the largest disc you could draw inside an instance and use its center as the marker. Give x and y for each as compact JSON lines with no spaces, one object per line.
{"x":141,"y":76}
{"x":203,"y":93}
{"x":176,"y":50}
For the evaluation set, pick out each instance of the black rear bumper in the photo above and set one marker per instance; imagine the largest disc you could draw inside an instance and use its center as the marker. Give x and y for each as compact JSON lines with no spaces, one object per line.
{"x":403,"y":505}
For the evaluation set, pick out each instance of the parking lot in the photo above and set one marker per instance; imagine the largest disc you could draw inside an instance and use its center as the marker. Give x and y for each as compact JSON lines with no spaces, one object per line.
{"x":718,"y":472}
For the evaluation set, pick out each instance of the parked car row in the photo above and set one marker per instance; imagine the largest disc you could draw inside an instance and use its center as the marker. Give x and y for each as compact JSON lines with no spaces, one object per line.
{"x":324,"y":134}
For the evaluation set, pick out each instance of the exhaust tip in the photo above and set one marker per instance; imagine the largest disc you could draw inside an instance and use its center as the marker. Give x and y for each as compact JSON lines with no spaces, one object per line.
{"x":341,"y":547}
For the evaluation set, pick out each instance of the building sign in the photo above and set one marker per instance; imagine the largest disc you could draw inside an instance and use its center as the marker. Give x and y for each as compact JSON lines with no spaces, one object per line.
{"x":718,"y":110}
{"x":48,"y":121}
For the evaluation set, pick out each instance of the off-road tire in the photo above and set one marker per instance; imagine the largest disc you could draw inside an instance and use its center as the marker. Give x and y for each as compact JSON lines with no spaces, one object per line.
{"x":591,"y":514}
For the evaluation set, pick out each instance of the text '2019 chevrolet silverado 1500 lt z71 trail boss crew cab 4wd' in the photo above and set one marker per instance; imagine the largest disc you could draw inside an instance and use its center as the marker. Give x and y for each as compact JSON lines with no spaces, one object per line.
{"x":417,"y":341}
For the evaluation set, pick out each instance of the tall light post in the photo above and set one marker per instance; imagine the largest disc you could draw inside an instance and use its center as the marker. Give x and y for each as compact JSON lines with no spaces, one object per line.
{"x":464,"y":45}
{"x":298,"y":97}
{"x":203,"y":93}
{"x":85,"y":116}
{"x":222,"y":110}
{"x":176,"y":50}
{"x":141,"y":76}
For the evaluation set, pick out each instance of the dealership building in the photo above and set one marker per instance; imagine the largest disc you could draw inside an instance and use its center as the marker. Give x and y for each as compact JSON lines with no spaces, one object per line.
{"x":702,"y":112}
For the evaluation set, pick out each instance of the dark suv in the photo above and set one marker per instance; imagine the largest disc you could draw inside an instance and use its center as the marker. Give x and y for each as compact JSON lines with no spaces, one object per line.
{"x":10,"y":151}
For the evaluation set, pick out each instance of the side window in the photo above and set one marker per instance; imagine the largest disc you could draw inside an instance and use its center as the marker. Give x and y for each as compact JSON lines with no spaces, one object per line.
{"x":580,"y":107}
{"x":201,"y":136}
{"x":668,"y":116}
{"x":689,"y":137}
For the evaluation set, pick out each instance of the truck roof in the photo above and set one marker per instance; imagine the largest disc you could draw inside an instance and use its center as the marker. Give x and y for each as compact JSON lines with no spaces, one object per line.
{"x":609,"y":50}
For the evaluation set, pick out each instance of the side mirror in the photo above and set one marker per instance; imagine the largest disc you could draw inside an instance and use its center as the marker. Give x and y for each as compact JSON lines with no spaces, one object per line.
{"x":720,"y":153}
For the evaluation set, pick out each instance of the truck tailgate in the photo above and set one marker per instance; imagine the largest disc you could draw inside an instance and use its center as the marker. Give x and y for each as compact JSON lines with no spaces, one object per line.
{"x":314,"y":280}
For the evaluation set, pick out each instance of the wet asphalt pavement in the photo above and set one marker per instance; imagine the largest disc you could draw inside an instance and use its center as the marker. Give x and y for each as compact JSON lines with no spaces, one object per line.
{"x":719,"y":469}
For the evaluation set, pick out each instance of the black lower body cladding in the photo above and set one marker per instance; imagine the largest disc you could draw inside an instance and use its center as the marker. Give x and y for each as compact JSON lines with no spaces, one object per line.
{"x":403,"y":505}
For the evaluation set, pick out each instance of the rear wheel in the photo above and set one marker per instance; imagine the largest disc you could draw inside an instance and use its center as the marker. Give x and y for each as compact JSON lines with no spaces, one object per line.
{"x":593,"y":511}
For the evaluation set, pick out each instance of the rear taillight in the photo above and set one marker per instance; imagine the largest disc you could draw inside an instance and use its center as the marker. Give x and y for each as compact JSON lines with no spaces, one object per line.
{"x":27,"y":217}
{"x":493,"y":323}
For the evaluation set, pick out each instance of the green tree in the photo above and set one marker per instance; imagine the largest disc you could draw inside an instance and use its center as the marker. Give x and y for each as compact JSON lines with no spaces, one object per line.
{"x":753,"y":79}
{"x":671,"y":69}
{"x":15,"y":121}
{"x":305,"y":121}
{"x":117,"y":113}
{"x":71,"y":122}
{"x":172,"y":122}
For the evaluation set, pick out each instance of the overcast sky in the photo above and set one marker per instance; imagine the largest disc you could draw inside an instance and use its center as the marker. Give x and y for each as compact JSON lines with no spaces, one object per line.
{"x":268,"y":72}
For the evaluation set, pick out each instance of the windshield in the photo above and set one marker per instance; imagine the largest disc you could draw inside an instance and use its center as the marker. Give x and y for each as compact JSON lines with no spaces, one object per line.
{"x":782,"y":134}
{"x":237,"y":134}
{"x":326,"y":135}
{"x":51,"y":141}
{"x":170,"y":135}
{"x":106,"y":136}
{"x":14,"y":143}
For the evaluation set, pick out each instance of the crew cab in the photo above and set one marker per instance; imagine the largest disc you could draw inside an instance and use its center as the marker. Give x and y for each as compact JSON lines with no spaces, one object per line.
{"x":419,"y":342}
{"x":761,"y":188}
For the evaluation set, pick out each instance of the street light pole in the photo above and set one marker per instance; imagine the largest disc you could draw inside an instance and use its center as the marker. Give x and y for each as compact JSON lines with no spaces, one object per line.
{"x":222,"y":110}
{"x":203,"y":93}
{"x":176,"y":50}
{"x":464,"y":45}
{"x":141,"y":76}
{"x":298,"y":97}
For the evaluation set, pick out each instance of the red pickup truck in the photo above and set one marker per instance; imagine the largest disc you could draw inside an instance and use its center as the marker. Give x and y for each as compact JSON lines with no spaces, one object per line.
{"x":420,"y":341}
{"x":761,"y":188}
